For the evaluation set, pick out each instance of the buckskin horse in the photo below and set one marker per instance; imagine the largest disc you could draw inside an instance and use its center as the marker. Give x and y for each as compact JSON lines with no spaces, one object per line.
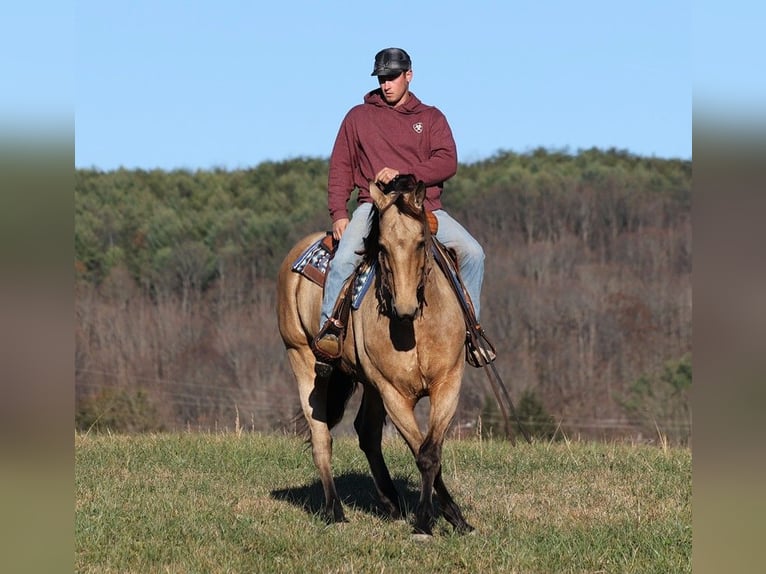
{"x":402,"y":344}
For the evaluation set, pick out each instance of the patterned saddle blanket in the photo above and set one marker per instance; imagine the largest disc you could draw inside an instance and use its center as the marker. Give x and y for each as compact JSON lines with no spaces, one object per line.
{"x":315,"y":260}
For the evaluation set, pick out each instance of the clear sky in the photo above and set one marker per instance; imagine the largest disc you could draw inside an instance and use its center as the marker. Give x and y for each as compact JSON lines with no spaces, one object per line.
{"x":232,"y":83}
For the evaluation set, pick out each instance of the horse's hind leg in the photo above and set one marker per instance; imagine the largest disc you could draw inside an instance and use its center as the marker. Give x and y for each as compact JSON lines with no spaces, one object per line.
{"x":321,"y":447}
{"x":369,"y":426}
{"x":313,"y":394}
{"x":449,"y":507}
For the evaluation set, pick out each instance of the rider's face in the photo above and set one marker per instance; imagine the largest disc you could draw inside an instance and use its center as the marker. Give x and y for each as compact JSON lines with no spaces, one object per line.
{"x":395,"y":88}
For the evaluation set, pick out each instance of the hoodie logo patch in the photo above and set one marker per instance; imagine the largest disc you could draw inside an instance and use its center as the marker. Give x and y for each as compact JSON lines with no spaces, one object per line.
{"x":418,"y":127}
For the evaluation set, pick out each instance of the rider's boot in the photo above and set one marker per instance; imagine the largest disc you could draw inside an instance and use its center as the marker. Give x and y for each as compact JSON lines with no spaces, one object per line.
{"x":327,"y":346}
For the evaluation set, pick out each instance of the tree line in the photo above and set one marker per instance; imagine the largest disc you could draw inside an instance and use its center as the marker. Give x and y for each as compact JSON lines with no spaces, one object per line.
{"x":587,"y":290}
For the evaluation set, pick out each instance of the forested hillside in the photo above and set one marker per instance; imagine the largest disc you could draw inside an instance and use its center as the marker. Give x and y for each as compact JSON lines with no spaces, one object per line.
{"x":587,"y":291}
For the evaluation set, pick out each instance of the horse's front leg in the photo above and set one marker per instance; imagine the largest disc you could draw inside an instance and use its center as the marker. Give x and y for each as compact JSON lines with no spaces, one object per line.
{"x":429,"y":464}
{"x":443,"y":405}
{"x":401,"y":410}
{"x":313,"y":395}
{"x":369,"y":426}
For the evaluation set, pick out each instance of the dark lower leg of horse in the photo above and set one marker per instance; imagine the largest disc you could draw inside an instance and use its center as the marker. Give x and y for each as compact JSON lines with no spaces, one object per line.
{"x":369,"y":426}
{"x":333,"y":511}
{"x":449,"y":507}
{"x":424,"y":515}
{"x":429,"y":464}
{"x":339,"y":390}
{"x":387,"y":493}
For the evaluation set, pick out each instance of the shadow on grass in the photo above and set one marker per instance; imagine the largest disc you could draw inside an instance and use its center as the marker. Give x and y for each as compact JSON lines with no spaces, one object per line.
{"x":356,"y":490}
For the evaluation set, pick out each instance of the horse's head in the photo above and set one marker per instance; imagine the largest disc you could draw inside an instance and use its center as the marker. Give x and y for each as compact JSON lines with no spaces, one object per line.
{"x":402,"y":245}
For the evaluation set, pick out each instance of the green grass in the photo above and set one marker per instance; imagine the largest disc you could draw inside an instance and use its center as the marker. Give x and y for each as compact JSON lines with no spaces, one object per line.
{"x":250,"y":503}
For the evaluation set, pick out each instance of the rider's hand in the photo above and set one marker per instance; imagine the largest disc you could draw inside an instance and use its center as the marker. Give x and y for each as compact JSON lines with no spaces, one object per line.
{"x":385,"y":175}
{"x":338,"y":227}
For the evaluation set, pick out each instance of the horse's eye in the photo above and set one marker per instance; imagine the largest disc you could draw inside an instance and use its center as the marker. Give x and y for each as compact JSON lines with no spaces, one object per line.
{"x":421,"y":245}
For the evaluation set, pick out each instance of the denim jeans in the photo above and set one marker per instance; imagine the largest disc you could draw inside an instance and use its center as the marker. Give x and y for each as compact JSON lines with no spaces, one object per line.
{"x":470,"y":256}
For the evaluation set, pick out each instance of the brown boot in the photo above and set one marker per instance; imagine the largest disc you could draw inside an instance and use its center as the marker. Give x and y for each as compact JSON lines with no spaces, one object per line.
{"x":327,"y":346}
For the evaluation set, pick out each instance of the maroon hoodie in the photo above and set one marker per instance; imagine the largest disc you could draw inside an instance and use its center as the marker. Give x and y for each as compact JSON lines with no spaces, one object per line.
{"x":412,"y":138}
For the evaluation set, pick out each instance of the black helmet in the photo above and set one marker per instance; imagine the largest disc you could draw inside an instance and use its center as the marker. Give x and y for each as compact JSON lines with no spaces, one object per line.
{"x":391,"y":61}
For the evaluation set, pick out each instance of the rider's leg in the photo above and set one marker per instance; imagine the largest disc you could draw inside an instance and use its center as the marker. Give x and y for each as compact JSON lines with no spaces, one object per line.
{"x":470,"y":255}
{"x":342,"y":265}
{"x":470,"y":258}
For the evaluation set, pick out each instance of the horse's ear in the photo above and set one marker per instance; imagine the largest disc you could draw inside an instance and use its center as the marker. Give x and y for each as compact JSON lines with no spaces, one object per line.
{"x":380,"y":199}
{"x":419,"y":195}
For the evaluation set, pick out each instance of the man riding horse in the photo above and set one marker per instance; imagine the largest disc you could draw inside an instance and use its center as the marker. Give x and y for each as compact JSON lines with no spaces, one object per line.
{"x":405,"y":341}
{"x":390,"y":134}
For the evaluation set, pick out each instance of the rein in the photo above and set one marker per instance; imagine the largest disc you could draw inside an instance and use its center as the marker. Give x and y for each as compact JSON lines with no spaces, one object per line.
{"x":476,"y":333}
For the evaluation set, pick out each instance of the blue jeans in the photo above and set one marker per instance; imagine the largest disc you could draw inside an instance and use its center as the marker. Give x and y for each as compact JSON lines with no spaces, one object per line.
{"x":470,"y":256}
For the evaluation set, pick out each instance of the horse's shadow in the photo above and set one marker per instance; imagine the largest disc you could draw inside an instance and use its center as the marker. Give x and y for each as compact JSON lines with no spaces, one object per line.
{"x":356,"y":490}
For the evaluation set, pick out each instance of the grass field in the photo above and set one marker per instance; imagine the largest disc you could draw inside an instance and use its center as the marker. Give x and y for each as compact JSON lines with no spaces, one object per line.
{"x":249,"y":503}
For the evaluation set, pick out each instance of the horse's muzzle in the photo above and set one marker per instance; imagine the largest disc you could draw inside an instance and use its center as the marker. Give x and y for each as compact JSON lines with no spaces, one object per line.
{"x":405,"y":312}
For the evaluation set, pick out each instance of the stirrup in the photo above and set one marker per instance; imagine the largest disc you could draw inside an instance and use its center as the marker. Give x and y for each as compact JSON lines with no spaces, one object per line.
{"x":479,"y":352}
{"x":479,"y":357}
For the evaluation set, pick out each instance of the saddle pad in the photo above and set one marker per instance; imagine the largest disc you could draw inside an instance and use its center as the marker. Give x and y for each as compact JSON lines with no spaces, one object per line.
{"x":314,"y":261}
{"x":363,"y":277}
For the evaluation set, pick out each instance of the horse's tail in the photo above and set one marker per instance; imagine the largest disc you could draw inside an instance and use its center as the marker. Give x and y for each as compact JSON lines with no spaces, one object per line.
{"x":339,"y":390}
{"x":340,"y":387}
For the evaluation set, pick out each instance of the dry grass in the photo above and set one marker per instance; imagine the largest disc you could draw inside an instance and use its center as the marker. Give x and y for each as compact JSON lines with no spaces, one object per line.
{"x":240,"y":502}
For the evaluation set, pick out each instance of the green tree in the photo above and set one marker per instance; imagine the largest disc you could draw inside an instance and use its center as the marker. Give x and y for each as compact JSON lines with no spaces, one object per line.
{"x":534,"y":417}
{"x":660,"y":402}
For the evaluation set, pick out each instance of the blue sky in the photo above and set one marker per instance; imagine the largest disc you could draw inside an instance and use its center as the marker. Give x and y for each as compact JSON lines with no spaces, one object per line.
{"x":232,"y":83}
{"x":184,"y":84}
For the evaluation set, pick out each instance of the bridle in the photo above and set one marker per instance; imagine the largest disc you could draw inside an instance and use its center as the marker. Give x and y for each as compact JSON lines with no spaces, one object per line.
{"x":397,"y":188}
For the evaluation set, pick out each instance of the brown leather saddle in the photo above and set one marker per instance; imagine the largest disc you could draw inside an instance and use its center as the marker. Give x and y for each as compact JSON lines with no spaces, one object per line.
{"x":314,"y":262}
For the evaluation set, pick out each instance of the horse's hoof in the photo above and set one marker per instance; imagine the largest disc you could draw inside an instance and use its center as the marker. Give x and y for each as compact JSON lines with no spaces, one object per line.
{"x":334,"y":515}
{"x":395,"y":513}
{"x":334,"y":520}
{"x":420,"y":537}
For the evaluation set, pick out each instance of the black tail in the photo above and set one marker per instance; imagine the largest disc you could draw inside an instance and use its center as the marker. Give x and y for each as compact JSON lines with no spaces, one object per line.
{"x":339,"y":391}
{"x":340,"y":387}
